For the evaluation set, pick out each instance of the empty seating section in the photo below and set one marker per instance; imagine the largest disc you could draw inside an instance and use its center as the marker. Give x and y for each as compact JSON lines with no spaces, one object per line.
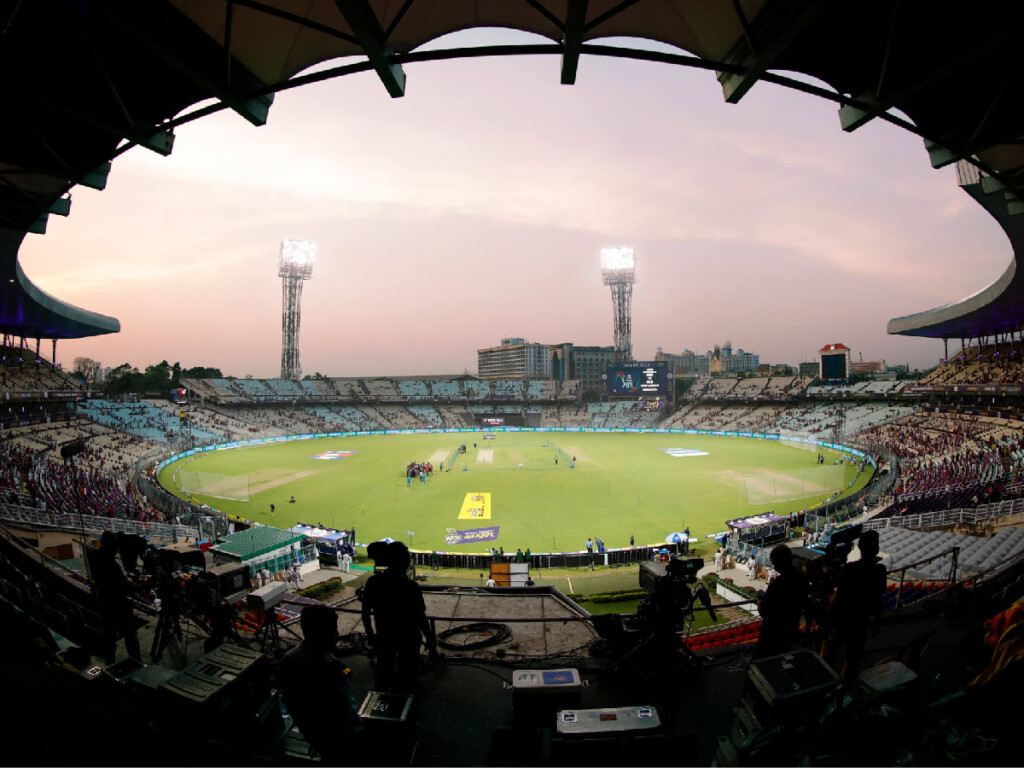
{"x":476,"y":390}
{"x":426,"y":415}
{"x":747,"y":389}
{"x":413,"y":388}
{"x":719,"y":388}
{"x":285,"y":387}
{"x":310,"y":389}
{"x":446,"y":389}
{"x":251,"y":387}
{"x":507,"y":389}
{"x":535,"y":389}
{"x":347,"y":388}
{"x":779,"y":385}
{"x":902,"y":547}
{"x":141,"y":418}
{"x":381,"y":388}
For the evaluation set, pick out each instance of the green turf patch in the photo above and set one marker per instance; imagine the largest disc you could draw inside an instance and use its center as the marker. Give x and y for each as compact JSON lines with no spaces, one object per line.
{"x":623,"y":484}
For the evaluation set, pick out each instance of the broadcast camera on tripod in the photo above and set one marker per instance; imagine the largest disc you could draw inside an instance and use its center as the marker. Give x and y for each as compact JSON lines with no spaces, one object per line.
{"x":674,"y":591}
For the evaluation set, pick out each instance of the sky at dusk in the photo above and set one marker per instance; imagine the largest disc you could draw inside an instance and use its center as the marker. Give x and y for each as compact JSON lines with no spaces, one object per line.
{"x":475,"y":207}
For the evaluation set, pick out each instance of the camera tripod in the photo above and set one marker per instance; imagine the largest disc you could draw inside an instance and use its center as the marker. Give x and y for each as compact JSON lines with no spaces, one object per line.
{"x":671,"y":604}
{"x":268,"y":636}
{"x":168,"y":630}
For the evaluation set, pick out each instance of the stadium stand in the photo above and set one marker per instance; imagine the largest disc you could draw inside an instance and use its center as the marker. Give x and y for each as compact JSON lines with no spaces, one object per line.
{"x":138,"y":94}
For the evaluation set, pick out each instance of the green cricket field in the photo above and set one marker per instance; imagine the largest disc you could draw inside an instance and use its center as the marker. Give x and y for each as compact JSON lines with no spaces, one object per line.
{"x":547,"y":491}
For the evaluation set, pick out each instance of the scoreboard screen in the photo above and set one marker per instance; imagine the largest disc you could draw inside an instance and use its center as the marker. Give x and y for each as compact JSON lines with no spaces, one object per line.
{"x":833,"y":367}
{"x":641,"y":380}
{"x":492,"y":421}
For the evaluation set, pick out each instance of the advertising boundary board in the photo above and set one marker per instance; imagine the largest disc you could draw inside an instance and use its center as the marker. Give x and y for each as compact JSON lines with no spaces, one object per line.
{"x":625,"y":430}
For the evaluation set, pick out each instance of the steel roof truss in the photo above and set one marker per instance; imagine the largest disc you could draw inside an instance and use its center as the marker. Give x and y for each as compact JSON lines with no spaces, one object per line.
{"x":762,"y":43}
{"x":853,"y":117}
{"x":370,"y":35}
{"x":572,"y":40}
{"x":206,"y":68}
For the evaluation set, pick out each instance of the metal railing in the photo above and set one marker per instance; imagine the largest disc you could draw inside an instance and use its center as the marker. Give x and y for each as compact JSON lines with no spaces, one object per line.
{"x":94,"y":524}
{"x":946,"y":517}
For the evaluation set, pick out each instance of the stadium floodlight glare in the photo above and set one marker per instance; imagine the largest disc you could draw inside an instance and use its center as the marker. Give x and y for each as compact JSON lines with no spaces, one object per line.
{"x":297,"y":257}
{"x":617,"y":259}
{"x":618,"y":268}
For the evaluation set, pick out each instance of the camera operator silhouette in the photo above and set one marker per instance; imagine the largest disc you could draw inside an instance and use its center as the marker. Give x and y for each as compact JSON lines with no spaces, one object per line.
{"x":857,"y":604}
{"x":314,"y":685}
{"x":112,"y":589}
{"x":399,"y":618}
{"x":781,"y":606}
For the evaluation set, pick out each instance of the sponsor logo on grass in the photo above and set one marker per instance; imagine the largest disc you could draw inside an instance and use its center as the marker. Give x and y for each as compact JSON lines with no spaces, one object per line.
{"x":333,"y":455}
{"x":680,"y":453}
{"x":476,"y":506}
{"x":471,"y":535}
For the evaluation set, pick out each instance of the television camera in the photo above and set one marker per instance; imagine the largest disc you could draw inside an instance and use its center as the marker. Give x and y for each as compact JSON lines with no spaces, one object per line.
{"x":673,"y":593}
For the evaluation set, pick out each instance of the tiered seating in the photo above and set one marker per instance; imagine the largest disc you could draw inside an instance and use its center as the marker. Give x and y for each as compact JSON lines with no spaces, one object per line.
{"x":212,"y":389}
{"x":251,"y":387}
{"x":862,"y":417}
{"x":427,"y":415}
{"x":719,"y":388}
{"x":535,"y":389}
{"x":778,"y":386}
{"x":508,"y":389}
{"x":748,"y":389}
{"x":901,"y":547}
{"x":29,"y":376}
{"x":455,"y":418}
{"x":476,"y":389}
{"x":413,"y":388}
{"x":348,"y":388}
{"x":284,"y":387}
{"x":381,"y":388}
{"x":445,"y":388}
{"x":816,"y":420}
{"x":991,"y":364}
{"x":698,"y":389}
{"x":310,"y":388}
{"x":396,"y":417}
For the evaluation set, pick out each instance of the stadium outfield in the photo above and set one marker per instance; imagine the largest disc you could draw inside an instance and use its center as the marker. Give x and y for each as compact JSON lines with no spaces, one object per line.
{"x":547,"y":489}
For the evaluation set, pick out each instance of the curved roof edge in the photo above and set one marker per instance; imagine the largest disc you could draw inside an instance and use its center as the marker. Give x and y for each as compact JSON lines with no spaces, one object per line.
{"x":30,"y":312}
{"x":67,"y":320}
{"x":994,"y":309}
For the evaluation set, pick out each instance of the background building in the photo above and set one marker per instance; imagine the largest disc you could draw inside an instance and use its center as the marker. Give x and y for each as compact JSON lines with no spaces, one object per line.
{"x":589,"y":364}
{"x":514,"y":358}
{"x":834,"y":362}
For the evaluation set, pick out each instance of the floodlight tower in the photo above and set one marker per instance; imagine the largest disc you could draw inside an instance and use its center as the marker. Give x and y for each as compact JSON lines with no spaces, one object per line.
{"x":296,"y":265}
{"x":618,"y":267}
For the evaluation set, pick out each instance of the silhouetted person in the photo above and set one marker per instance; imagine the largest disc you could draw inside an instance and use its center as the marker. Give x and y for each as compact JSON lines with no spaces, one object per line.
{"x":399,"y":620}
{"x":314,"y":685}
{"x":781,"y":606}
{"x":112,"y":589}
{"x":858,"y":603}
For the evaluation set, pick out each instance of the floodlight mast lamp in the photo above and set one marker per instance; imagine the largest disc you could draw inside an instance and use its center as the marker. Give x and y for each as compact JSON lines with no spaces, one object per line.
{"x":296,"y":265}
{"x":618,"y":268}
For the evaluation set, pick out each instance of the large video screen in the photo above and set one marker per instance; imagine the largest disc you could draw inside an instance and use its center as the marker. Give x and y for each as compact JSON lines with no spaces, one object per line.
{"x":833,"y":367}
{"x":640,"y":380}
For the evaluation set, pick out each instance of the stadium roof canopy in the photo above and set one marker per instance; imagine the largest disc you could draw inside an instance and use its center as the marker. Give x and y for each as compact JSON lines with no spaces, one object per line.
{"x":82,"y":81}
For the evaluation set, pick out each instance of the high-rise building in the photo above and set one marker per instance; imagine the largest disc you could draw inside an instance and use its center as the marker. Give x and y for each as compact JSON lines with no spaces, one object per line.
{"x":514,"y":358}
{"x":588,"y":365}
